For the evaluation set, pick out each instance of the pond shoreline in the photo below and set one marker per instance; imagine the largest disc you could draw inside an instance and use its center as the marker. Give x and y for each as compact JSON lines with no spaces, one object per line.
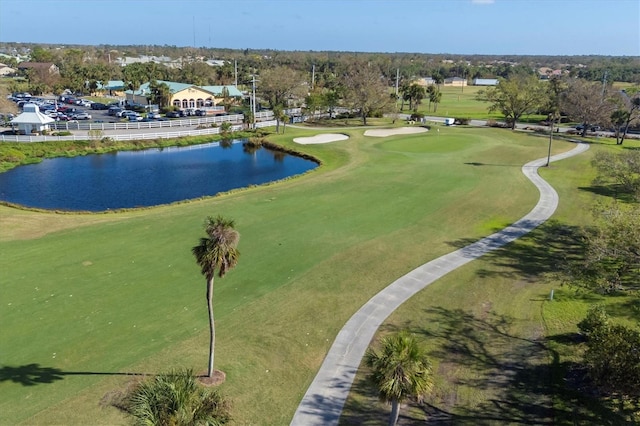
{"x":53,"y":150}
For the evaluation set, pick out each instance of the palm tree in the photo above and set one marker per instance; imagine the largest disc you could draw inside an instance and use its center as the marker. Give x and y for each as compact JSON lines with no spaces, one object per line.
{"x":216,"y":252}
{"x":401,"y":370}
{"x":175,"y":399}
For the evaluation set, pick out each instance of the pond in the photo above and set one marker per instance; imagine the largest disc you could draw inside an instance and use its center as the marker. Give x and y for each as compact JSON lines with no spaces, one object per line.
{"x":129,"y":179}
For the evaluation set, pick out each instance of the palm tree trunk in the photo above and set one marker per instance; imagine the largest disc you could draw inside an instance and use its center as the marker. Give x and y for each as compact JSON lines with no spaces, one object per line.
{"x":212,"y":329}
{"x":395,"y":412}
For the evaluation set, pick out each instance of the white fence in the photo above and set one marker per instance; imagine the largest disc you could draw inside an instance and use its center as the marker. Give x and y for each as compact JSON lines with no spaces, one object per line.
{"x":128,"y":125}
{"x":123,"y":137}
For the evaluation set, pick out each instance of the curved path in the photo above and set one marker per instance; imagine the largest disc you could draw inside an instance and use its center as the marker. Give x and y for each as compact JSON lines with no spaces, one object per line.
{"x":323,"y":402}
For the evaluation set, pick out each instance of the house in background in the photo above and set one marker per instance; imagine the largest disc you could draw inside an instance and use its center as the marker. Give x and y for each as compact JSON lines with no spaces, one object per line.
{"x":6,"y":70}
{"x":40,"y":67}
{"x":455,"y":81}
{"x":31,"y":120}
{"x":112,"y":88}
{"x":425,"y":81}
{"x":485,"y":81}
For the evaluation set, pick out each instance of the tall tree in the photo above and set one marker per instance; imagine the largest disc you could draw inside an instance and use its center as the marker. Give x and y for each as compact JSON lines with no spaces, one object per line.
{"x":331,"y":99}
{"x":365,"y":90}
{"x":405,"y":94}
{"x":216,"y":252}
{"x":515,"y":97}
{"x":277,"y":85}
{"x":175,"y":399}
{"x":435,"y":96}
{"x":160,"y":94}
{"x":627,"y":103}
{"x":400,"y":371}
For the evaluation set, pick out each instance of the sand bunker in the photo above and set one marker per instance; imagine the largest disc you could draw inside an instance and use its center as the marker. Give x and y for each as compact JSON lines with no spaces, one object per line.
{"x":380,"y":133}
{"x":322,"y":138}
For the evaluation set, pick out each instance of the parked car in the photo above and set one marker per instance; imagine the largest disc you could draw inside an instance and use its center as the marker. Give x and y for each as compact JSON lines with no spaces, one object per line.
{"x":98,"y":105}
{"x":82,"y":116}
{"x":134,"y":117}
{"x":114,"y":111}
{"x":173,"y":114}
{"x":153,"y":116}
{"x":580,"y":127}
{"x":201,"y":113}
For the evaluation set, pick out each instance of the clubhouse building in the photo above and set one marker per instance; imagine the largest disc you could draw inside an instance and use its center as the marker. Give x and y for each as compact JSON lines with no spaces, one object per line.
{"x":183,"y":95}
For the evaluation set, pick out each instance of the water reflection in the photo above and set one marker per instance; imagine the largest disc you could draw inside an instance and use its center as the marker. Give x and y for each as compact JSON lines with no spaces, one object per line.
{"x":145,"y":178}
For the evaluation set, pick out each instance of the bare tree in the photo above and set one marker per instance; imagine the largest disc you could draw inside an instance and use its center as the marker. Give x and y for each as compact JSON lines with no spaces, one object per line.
{"x":586,"y":102}
{"x":279,"y":84}
{"x":366,"y":91}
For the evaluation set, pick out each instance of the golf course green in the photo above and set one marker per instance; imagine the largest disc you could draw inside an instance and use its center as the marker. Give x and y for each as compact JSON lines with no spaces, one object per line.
{"x":90,"y":301}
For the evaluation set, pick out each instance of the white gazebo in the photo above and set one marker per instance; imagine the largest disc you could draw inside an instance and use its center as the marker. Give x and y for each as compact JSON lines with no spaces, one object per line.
{"x":31,"y":120}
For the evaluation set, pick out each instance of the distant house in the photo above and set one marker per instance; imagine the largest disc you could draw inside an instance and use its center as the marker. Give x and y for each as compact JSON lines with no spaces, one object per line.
{"x":425,"y":81}
{"x":184,"y":95}
{"x":31,"y":120}
{"x":215,"y":62}
{"x":455,"y":81}
{"x":6,"y":70}
{"x":39,"y":67}
{"x":546,"y":73}
{"x":485,"y":81}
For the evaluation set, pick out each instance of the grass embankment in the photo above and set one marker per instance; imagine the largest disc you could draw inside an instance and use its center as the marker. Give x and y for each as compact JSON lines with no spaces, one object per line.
{"x":84,"y":304}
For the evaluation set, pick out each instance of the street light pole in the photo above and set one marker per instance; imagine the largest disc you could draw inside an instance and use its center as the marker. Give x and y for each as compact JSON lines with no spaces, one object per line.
{"x":551,"y":119}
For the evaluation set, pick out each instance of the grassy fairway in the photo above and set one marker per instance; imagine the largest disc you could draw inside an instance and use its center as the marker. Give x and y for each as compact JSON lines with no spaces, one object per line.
{"x":87,"y":298}
{"x":502,"y":350}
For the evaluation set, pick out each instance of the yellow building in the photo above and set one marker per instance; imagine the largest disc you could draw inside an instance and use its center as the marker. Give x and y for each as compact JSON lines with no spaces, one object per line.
{"x":183,"y":95}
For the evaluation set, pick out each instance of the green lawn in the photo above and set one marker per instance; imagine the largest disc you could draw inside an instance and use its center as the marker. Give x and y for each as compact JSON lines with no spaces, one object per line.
{"x":87,"y":298}
{"x":461,"y":102}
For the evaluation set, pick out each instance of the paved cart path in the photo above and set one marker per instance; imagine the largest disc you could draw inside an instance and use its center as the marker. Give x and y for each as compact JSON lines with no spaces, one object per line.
{"x":322,"y":404}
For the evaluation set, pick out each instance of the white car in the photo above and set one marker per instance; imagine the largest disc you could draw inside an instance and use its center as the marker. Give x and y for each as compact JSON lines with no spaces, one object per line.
{"x":82,"y":116}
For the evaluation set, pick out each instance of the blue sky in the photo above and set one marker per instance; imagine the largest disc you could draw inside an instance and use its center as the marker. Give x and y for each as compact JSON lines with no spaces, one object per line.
{"x":519,"y":27}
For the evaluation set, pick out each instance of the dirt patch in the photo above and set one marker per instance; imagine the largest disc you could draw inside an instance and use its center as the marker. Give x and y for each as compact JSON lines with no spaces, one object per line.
{"x":216,"y":379}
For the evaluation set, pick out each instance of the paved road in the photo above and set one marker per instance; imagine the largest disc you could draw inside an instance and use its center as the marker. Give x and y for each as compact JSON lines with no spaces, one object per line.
{"x":323,"y":402}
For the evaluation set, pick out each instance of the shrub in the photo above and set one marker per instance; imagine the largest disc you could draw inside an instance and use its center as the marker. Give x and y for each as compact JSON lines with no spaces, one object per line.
{"x":462,"y":120}
{"x":596,"y":318}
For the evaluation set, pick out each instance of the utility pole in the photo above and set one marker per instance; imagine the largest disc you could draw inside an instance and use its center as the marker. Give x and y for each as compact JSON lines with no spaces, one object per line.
{"x":313,"y":76}
{"x":235,"y":68}
{"x":254,"y":101}
{"x":604,"y":83}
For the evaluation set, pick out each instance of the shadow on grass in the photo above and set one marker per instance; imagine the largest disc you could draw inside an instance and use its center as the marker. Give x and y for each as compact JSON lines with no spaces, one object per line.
{"x":613,"y":191}
{"x":539,"y":253}
{"x":523,"y":380}
{"x":35,"y":374}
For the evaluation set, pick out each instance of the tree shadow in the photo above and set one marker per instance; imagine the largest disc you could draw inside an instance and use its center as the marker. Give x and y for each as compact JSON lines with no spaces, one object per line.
{"x":475,"y":163}
{"x":327,"y":406}
{"x":35,"y":374}
{"x":538,"y":254}
{"x":526,"y":379}
{"x":613,"y":191}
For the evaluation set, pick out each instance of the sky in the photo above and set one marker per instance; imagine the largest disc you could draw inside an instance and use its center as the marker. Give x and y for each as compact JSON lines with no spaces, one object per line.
{"x":489,"y":27}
